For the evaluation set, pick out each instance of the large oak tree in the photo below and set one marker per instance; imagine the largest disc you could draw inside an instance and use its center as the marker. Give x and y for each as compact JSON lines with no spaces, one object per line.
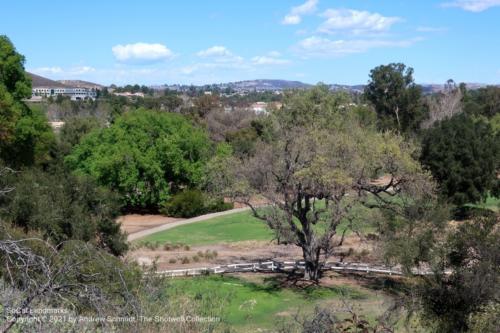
{"x":316,"y":172}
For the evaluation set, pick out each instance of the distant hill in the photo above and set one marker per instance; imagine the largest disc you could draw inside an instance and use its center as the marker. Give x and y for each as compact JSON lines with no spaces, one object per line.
{"x":81,"y":84}
{"x":40,"y":81}
{"x":268,"y":85}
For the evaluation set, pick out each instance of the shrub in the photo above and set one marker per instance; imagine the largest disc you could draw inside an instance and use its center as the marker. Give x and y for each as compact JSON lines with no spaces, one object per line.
{"x":185,"y":260}
{"x":193,"y":202}
{"x":172,"y":261}
{"x":187,"y":203}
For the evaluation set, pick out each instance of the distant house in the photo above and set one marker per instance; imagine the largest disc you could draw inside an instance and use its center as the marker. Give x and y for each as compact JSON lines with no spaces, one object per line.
{"x":259,"y":107}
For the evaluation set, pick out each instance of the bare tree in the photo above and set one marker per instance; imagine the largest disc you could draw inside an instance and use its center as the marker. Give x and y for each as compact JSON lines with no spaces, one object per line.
{"x":445,"y":105}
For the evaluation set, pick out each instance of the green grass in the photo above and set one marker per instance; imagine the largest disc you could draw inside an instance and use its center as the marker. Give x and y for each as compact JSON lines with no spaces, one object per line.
{"x":231,"y":228}
{"x":249,"y":306}
{"x":223,"y":229}
{"x":491,"y":203}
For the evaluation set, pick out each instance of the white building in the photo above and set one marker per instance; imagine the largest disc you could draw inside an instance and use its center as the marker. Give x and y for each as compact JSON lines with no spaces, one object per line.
{"x":73,"y":93}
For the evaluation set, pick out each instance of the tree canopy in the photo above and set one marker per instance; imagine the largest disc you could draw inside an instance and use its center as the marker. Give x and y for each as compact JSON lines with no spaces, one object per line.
{"x":145,"y":156}
{"x":25,"y":136}
{"x":318,"y":170}
{"x":396,"y":97}
{"x":463,"y":156}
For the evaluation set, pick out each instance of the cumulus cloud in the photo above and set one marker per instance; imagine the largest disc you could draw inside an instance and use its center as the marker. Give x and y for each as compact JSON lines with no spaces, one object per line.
{"x":324,"y":47}
{"x":265,"y":60}
{"x":355,"y":21}
{"x":217,"y":51}
{"x":296,"y":13}
{"x":220,"y":54}
{"x":473,"y":5}
{"x":141,"y":52}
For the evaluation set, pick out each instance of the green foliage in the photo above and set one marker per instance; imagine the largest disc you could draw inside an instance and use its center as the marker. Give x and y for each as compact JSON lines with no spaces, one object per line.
{"x":145,"y":156}
{"x":482,"y":102}
{"x":25,"y":136}
{"x":32,"y":141}
{"x":62,"y":207}
{"x":472,"y":255}
{"x":243,"y":141}
{"x":396,"y":97}
{"x":74,"y":130}
{"x":463,"y":156}
{"x":193,"y":202}
{"x":12,"y":74}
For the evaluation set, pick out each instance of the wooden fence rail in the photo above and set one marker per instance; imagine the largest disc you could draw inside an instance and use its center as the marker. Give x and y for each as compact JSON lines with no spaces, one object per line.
{"x":286,"y":266}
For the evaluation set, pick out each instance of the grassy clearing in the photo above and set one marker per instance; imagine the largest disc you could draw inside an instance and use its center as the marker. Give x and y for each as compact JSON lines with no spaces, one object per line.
{"x":254,"y":305}
{"x":223,"y":229}
{"x":231,"y":228}
{"x":491,"y":203}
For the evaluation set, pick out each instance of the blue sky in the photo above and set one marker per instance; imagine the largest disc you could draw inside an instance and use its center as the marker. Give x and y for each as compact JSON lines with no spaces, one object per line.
{"x":188,"y":41}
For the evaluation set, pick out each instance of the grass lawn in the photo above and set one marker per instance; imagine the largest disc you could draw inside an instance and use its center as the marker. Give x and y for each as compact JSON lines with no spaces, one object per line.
{"x":250,"y":305}
{"x":491,"y":203}
{"x":223,"y":229}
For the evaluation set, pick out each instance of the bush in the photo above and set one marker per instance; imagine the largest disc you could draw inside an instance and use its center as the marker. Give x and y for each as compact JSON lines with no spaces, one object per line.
{"x":191,"y":203}
{"x":63,"y":207}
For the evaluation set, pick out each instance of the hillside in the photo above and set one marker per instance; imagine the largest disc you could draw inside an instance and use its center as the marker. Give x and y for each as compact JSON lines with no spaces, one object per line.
{"x":40,"y":81}
{"x":81,"y":84}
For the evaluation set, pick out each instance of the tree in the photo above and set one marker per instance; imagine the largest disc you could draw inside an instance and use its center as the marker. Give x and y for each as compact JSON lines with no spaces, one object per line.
{"x":25,"y":136}
{"x":32,"y":140}
{"x":396,"y":97}
{"x":444,"y":105}
{"x":317,"y":171}
{"x":74,"y":129}
{"x":463,"y":156}
{"x":145,"y":156}
{"x":466,"y":277}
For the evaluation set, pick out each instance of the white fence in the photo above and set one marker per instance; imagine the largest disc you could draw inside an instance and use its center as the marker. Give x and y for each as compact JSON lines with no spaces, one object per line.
{"x":287,"y":266}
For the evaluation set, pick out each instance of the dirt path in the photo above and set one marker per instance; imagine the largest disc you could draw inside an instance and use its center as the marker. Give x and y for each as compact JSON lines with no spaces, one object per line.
{"x":169,"y":224}
{"x":132,"y":223}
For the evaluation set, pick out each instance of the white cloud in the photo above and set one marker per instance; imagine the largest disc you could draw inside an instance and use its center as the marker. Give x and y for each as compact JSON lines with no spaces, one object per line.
{"x":473,"y":5}
{"x":323,"y":47}
{"x":217,"y":51}
{"x":64,"y":72}
{"x":141,"y":52}
{"x":264,"y":60}
{"x":355,"y":21}
{"x":296,"y":13}
{"x":220,"y":54}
